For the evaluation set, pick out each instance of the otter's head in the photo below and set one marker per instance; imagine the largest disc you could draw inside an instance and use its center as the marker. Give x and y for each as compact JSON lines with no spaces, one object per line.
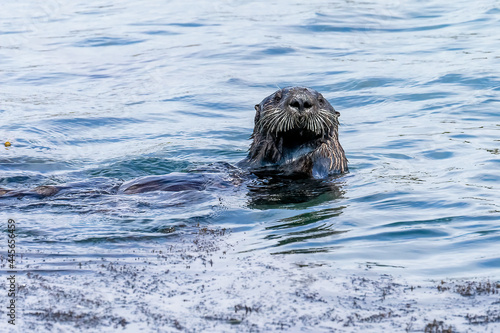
{"x":296,"y":133}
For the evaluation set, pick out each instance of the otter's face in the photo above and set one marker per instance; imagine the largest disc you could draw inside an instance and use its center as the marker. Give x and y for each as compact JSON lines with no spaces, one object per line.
{"x":296,"y":134}
{"x":296,"y":116}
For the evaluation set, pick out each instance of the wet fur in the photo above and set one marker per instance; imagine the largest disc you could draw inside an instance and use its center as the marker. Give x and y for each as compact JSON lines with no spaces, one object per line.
{"x":291,"y":143}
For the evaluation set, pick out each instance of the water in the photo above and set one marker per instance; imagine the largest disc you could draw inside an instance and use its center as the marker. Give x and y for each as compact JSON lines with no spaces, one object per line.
{"x":107,"y":92}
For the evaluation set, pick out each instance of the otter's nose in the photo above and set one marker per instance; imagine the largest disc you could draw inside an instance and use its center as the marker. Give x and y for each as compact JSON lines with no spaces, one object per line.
{"x":301,"y":103}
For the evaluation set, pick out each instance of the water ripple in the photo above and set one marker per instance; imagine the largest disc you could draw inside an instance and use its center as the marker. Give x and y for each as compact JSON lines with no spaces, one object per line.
{"x":117,"y":92}
{"x":106,"y":41}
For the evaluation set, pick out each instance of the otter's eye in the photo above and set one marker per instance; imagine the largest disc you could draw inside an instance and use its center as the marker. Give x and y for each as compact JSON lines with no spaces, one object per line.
{"x":277,"y":96}
{"x":321,"y":101}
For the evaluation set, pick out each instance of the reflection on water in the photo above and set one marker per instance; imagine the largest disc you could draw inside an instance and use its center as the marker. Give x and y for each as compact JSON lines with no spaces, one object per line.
{"x":307,"y":228}
{"x":107,"y":93}
{"x":297,"y":194}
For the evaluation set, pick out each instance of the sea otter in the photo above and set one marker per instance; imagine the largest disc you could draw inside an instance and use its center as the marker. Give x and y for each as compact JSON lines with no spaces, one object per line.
{"x":295,"y":136}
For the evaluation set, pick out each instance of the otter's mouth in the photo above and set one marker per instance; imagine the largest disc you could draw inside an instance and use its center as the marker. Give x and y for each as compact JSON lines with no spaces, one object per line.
{"x":297,"y":137}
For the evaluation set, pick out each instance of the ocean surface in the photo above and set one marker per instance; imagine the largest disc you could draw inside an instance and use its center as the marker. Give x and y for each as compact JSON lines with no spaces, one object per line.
{"x":102,"y":92}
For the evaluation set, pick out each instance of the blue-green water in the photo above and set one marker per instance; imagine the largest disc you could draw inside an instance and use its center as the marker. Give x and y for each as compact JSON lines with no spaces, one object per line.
{"x":129,"y":90}
{"x":119,"y":90}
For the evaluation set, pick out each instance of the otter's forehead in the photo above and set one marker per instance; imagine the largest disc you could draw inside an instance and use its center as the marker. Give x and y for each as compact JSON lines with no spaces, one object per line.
{"x":290,"y":92}
{"x":299,"y":90}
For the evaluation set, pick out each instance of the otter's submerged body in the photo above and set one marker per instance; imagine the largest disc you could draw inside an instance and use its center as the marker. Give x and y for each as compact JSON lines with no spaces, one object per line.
{"x":295,"y":136}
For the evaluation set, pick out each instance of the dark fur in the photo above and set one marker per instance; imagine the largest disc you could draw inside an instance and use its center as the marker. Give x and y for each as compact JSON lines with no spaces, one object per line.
{"x":296,"y":134}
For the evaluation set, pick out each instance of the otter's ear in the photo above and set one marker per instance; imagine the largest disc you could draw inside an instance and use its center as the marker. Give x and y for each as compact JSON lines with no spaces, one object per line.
{"x":257,"y":113}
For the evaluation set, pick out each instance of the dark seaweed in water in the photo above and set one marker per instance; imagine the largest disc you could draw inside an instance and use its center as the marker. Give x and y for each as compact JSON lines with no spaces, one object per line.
{"x":198,"y":275}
